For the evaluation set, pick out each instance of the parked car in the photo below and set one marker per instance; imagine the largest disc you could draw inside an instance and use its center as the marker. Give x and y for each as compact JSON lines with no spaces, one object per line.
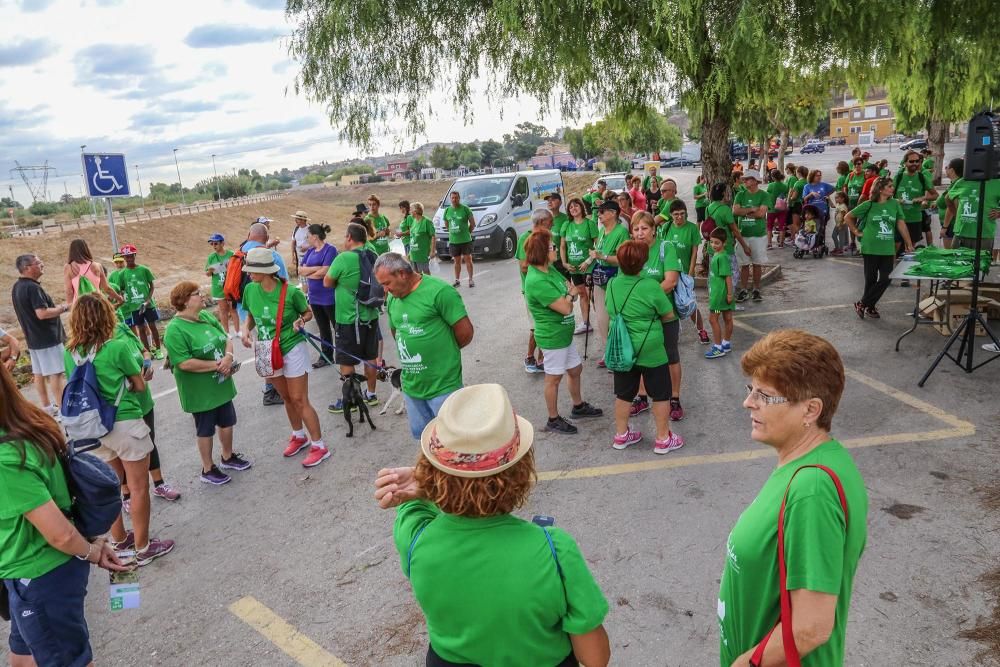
{"x":614,"y":182}
{"x":738,"y":151}
{"x":813,"y":147}
{"x":676,"y":162}
{"x":894,"y":139}
{"x":502,"y":205}
{"x":836,"y":141}
{"x":913,"y":145}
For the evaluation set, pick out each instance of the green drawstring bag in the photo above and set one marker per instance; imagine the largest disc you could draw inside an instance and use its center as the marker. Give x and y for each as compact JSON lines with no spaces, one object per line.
{"x":619,"y":354}
{"x":84,"y":286}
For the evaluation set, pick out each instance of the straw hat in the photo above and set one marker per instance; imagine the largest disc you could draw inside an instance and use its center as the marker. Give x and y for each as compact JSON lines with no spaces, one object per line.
{"x":476,"y":433}
{"x":300,"y":215}
{"x":260,"y":260}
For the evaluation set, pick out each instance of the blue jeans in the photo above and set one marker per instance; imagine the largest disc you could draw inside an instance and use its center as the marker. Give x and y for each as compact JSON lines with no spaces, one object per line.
{"x":46,"y":616}
{"x":420,"y":411}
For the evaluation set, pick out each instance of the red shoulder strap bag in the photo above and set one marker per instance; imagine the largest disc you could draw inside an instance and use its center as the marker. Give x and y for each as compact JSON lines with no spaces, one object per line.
{"x":792,"y":657}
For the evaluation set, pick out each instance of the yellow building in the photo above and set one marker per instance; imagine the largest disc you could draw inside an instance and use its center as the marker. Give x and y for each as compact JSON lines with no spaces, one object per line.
{"x":855,"y":117}
{"x":350,"y":179}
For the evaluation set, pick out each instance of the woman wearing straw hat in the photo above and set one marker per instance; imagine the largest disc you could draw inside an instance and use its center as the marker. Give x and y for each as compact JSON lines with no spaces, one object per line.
{"x":262,"y":300}
{"x":534,"y":600}
{"x":300,"y":237}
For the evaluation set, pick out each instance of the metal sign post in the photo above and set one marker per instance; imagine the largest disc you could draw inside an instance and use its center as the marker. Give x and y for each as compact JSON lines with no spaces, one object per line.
{"x":106,"y":175}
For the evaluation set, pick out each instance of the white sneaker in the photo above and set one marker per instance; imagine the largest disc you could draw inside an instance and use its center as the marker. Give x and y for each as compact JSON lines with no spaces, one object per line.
{"x":992,"y":347}
{"x":582,"y":328}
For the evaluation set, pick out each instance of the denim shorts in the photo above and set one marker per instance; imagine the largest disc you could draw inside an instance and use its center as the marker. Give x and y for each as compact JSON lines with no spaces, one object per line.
{"x":47,"y":619}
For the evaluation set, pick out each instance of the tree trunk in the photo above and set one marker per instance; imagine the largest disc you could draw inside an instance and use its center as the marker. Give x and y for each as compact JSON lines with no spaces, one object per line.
{"x":716,"y":164}
{"x":937,"y":136}
{"x":781,"y":150}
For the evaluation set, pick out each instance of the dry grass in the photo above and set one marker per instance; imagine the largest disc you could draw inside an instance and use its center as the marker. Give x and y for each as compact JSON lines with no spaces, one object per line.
{"x":175,"y":249}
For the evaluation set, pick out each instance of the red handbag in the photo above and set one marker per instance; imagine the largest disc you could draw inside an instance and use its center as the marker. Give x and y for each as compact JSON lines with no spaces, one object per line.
{"x":792,"y":657}
{"x":277,"y":361}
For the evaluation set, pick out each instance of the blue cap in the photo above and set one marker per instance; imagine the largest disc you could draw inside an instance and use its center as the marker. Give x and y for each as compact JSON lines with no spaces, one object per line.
{"x":216,"y":238}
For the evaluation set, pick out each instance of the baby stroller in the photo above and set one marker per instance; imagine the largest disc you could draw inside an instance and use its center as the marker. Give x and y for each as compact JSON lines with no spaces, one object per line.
{"x":808,"y":242}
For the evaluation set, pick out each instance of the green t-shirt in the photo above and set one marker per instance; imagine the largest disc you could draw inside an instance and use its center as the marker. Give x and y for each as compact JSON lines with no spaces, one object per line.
{"x":115,"y":361}
{"x":456,"y":221}
{"x":642,"y":311}
{"x":797,"y":187}
{"x":722,"y":214}
{"x":908,"y":188}
{"x":607,"y":243}
{"x":719,"y":268}
{"x":820,"y":553}
{"x":883,"y":173}
{"x":380,"y":223}
{"x":966,"y":196}
{"x":123,"y":333}
{"x":927,"y":165}
{"x":685,"y":240}
{"x":346,"y":270}
{"x":656,"y":268}
{"x":217,"y":264}
{"x":776,"y":190}
{"x":552,"y":330}
{"x":878,"y":226}
{"x":700,"y":189}
{"x":205,"y":340}
{"x":841,"y":182}
{"x":421,"y":238}
{"x":579,"y":237}
{"x":522,"y":612}
{"x":24,"y":553}
{"x":593,"y":200}
{"x":135,"y":287}
{"x":750,"y":227}
{"x":663,"y":208}
{"x":264,"y":308}
{"x":855,"y":183}
{"x":428,"y":353}
{"x":405,"y":225}
{"x":557,"y":226}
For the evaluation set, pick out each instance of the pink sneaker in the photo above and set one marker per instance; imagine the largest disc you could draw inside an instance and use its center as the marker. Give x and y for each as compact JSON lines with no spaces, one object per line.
{"x":316,"y":456}
{"x":155,"y":549}
{"x":296,"y":445}
{"x":672,"y":443}
{"x":166,"y":492}
{"x":623,"y":440}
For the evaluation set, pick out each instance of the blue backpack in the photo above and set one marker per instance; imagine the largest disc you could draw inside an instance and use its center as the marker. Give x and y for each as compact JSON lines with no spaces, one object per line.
{"x":684,"y":297}
{"x":94,"y":489}
{"x":85,"y":413}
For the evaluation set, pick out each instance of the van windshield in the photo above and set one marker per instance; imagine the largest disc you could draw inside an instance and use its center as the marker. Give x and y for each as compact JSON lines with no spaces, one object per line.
{"x":481,"y":191}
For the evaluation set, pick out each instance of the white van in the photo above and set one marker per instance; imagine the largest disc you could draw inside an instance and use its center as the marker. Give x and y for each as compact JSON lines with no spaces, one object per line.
{"x":502,"y":205}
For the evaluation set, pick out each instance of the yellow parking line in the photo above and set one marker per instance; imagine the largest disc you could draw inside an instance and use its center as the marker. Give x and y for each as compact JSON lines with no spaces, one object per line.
{"x":959,"y":428}
{"x":275,"y":629}
{"x":792,"y":311}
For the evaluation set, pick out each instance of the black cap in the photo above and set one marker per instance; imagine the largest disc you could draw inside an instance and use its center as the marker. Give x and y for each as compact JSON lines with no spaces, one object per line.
{"x":609,"y":205}
{"x":359,"y":209}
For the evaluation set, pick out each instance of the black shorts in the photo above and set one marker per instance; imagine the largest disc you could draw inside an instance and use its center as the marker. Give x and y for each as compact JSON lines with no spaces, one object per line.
{"x":459,"y":249}
{"x":916,"y":230}
{"x":206,"y":422}
{"x":925,"y":224}
{"x":657,"y":381}
{"x":578,"y":278}
{"x":671,"y":336}
{"x":700,"y":211}
{"x":146,"y":316}
{"x":351,"y":347}
{"x":561,"y":269}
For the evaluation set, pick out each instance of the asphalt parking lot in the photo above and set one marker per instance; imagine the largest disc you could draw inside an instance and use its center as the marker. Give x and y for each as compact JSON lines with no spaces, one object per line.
{"x":288,"y":566}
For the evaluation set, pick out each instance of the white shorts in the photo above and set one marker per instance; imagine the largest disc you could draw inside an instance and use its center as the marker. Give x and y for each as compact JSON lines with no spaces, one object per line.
{"x":758,"y":251}
{"x":557,"y":362}
{"x":296,"y":362}
{"x":48,"y":361}
{"x":128,"y":440}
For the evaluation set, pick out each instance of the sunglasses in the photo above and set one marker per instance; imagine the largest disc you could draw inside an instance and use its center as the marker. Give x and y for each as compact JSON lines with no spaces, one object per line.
{"x":913,"y":162}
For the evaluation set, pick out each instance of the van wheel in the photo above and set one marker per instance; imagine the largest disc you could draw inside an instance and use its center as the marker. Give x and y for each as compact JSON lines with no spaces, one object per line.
{"x":509,"y":244}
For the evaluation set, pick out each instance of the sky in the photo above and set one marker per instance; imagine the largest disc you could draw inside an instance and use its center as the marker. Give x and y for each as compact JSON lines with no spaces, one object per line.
{"x":143,"y":77}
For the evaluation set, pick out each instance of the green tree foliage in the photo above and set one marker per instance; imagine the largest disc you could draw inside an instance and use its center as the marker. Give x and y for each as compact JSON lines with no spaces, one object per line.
{"x":470,"y":157}
{"x":312,"y":179}
{"x":443,"y":157}
{"x":943,"y":68}
{"x":711,"y":53}
{"x":574,"y":139}
{"x":43,"y":208}
{"x":7,"y":202}
{"x":491,"y":151}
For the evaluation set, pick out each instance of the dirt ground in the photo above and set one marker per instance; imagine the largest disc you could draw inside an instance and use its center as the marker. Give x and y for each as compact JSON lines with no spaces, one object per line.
{"x":175,"y":249}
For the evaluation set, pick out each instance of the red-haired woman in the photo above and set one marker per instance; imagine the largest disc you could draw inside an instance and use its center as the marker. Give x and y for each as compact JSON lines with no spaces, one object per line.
{"x":496,"y":589}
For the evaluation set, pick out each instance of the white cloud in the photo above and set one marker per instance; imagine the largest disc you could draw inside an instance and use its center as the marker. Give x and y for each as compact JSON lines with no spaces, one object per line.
{"x":149,"y":91}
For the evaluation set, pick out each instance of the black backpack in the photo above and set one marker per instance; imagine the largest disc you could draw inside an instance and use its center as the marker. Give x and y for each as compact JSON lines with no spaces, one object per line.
{"x":370,"y":293}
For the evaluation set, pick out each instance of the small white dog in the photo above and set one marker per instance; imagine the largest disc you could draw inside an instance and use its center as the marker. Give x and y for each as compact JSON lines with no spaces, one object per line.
{"x":393,"y":377}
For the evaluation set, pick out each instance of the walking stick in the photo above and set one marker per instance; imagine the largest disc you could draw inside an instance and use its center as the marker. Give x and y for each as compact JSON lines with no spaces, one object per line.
{"x":590,"y":298}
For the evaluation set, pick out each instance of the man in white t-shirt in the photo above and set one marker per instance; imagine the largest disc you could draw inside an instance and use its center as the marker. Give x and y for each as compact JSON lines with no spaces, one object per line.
{"x":299,"y":241}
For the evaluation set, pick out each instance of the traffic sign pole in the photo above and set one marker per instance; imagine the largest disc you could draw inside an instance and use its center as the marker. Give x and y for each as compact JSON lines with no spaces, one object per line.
{"x":111,"y":225}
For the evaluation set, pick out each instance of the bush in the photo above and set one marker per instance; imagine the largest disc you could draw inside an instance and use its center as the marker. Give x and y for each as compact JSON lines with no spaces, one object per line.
{"x":618,"y":164}
{"x":43,"y":208}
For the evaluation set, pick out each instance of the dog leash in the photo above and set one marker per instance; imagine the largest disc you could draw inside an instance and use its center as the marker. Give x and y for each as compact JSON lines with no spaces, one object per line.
{"x":310,"y":337}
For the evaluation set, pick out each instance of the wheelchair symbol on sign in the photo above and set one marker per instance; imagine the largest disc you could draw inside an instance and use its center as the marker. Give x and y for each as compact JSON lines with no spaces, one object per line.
{"x":105,"y":177}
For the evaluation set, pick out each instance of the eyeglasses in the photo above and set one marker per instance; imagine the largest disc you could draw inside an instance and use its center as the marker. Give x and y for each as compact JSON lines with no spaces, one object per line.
{"x":913,"y":162}
{"x":760,"y":397}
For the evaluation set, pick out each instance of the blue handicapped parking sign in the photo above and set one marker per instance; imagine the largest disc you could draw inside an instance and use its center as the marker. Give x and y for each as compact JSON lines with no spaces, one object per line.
{"x":106,"y":174}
